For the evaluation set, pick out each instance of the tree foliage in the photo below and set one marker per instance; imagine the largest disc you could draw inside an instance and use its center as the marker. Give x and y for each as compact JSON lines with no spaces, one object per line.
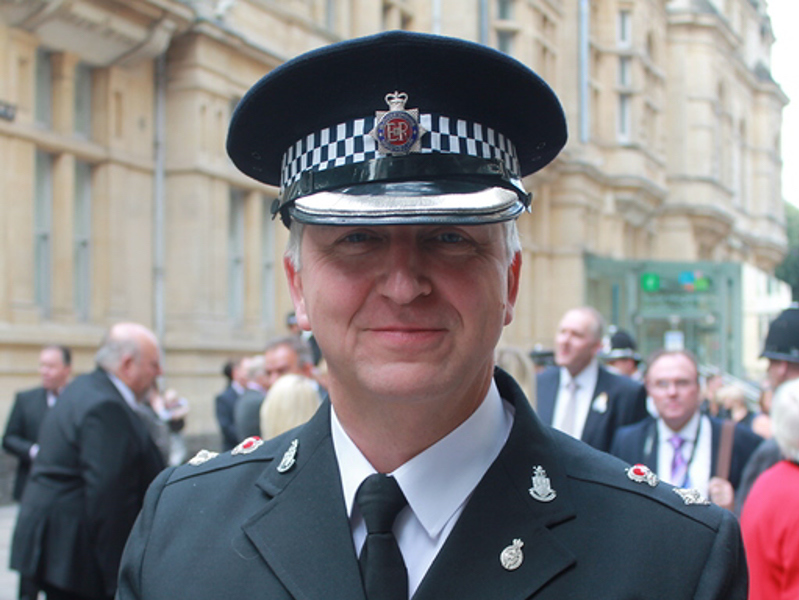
{"x":788,"y":270}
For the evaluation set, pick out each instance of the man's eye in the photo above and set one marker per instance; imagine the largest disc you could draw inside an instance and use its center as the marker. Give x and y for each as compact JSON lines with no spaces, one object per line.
{"x":450,"y":237}
{"x":357,"y":237}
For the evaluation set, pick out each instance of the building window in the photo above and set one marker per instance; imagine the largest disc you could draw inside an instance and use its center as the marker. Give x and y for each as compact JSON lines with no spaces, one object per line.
{"x":236,"y":256}
{"x":268,"y":264}
{"x":624,"y":32}
{"x":83,"y":101}
{"x":43,"y":230}
{"x":82,"y":238}
{"x":43,"y":111}
{"x":623,"y":127}
{"x":625,"y":71}
{"x":505,"y":9}
{"x":505,"y":41}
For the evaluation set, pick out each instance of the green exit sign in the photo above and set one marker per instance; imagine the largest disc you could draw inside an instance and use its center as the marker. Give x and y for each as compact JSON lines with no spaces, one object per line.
{"x":650,"y":282}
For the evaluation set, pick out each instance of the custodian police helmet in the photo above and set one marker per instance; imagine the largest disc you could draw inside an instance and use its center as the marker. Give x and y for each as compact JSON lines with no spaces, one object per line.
{"x":398,"y":127}
{"x":622,"y":345}
{"x":782,"y":341}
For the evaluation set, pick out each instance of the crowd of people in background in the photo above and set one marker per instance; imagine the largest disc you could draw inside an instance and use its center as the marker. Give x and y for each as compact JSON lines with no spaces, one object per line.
{"x":697,"y":433}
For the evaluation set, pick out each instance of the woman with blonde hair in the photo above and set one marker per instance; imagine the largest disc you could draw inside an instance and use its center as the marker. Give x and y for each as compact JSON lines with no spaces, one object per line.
{"x":291,"y":401}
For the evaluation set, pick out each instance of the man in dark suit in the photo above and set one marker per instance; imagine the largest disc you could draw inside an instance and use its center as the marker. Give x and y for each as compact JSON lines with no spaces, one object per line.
{"x":225,"y":404}
{"x":427,"y":474}
{"x":682,"y":445}
{"x":22,"y":429}
{"x":581,"y":397}
{"x":94,"y":464}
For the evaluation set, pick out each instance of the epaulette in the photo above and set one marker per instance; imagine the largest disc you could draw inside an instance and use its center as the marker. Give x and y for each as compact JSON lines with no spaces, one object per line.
{"x":253,"y":449}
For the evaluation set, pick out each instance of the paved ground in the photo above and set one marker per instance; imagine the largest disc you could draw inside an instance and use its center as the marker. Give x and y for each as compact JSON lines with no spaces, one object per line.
{"x":8,"y":578}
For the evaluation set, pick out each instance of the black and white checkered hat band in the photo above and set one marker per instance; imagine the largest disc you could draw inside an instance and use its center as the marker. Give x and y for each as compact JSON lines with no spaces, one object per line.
{"x":349,"y":143}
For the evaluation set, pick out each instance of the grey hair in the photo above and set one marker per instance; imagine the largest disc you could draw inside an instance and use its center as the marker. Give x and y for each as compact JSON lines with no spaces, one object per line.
{"x":300,"y":347}
{"x":114,"y":349}
{"x":513,"y":243}
{"x":785,"y":419}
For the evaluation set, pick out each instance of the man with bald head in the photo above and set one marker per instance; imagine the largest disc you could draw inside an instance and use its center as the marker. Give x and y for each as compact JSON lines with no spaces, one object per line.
{"x":581,"y":397}
{"x":94,"y":464}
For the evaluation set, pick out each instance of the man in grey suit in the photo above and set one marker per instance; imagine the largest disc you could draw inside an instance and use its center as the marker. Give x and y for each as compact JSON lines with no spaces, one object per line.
{"x":95,"y":461}
{"x":22,"y":428}
{"x":581,"y":397}
{"x":427,"y":474}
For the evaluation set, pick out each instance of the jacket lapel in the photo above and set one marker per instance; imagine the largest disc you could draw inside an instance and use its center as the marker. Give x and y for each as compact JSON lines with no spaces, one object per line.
{"x":595,"y":420}
{"x":305,"y":517}
{"x":547,"y":394}
{"x":502,"y":510}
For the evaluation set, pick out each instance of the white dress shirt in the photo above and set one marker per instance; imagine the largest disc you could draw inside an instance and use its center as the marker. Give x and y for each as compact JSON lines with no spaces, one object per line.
{"x":586,"y":383}
{"x":437,"y":482}
{"x":699,"y":463}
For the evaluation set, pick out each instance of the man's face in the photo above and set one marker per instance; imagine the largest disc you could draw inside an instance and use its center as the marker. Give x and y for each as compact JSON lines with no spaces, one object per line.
{"x":142,"y":372}
{"x":278,"y":362}
{"x":776,"y":372}
{"x":52,"y":370}
{"x":576,"y":342}
{"x":672,"y":383}
{"x":405,"y":311}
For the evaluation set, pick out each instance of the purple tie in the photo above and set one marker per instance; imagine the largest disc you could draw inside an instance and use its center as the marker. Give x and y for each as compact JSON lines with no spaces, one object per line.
{"x":679,"y":466}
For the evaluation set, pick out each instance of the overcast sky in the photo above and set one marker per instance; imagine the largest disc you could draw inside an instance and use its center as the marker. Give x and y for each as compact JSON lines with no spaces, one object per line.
{"x":784,"y":56}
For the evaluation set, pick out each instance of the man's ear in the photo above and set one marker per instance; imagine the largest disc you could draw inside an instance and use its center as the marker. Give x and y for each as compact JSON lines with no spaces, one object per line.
{"x":514,"y":270}
{"x":297,"y":296}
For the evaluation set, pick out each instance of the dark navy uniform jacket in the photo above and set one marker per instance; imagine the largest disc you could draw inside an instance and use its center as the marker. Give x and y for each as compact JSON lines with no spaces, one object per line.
{"x":238,"y":527}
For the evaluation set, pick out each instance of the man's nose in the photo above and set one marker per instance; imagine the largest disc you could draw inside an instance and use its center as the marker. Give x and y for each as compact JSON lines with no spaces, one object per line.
{"x":405,"y":275}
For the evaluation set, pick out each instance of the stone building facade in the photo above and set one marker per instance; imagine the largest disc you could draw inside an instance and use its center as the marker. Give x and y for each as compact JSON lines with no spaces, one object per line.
{"x":119,"y":202}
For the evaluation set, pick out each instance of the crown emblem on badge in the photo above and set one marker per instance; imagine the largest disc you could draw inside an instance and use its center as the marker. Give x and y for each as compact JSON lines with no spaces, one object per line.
{"x":397,"y":131}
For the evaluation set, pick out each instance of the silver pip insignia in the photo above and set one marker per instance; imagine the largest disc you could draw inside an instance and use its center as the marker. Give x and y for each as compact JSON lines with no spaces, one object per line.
{"x":541,"y":490}
{"x":289,"y":458}
{"x":691,"y":496}
{"x":248,"y":445}
{"x":642,"y":474}
{"x":201,"y":457}
{"x":511,"y":558}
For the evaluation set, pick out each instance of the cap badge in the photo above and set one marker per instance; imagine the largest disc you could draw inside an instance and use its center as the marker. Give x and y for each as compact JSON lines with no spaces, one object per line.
{"x":248,"y":445}
{"x":541,"y":490}
{"x":201,"y":457}
{"x":691,"y":496}
{"x":397,"y":131}
{"x":642,"y":474}
{"x":511,"y":558}
{"x":289,"y":458}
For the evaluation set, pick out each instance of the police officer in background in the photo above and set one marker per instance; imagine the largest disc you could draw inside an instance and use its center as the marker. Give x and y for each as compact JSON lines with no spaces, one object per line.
{"x":427,"y":474}
{"x":621,"y":355}
{"x":782,"y":351}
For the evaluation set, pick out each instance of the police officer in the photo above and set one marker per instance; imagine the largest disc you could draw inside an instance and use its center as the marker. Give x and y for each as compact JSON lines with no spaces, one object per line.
{"x":622,"y":354}
{"x":427,"y":474}
{"x":781,"y":348}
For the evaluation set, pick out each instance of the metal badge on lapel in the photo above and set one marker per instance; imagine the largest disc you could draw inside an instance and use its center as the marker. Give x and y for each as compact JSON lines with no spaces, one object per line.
{"x":541,"y":490}
{"x":511,"y":558}
{"x":201,"y":457}
{"x":600,"y":403}
{"x":248,"y":445}
{"x":691,"y":496}
{"x":397,"y":130}
{"x":289,"y":458}
{"x":642,"y":474}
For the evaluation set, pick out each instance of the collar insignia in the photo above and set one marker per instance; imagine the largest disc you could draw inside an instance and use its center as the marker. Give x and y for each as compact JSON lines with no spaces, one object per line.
{"x":397,"y":131}
{"x":511,"y":558}
{"x":541,"y":490}
{"x":289,"y":458}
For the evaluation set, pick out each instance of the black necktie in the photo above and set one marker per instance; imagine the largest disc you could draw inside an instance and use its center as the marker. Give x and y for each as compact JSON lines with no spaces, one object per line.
{"x":382,"y":568}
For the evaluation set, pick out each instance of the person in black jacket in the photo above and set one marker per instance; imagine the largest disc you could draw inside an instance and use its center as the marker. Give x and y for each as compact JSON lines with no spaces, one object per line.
{"x":95,"y":461}
{"x":427,"y":474}
{"x":22,"y":429}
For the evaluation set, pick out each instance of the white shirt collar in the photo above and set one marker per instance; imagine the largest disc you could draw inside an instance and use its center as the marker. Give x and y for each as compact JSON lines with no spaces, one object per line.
{"x":456,"y":463}
{"x":585,"y":379}
{"x":127,"y":393}
{"x":688,"y":431}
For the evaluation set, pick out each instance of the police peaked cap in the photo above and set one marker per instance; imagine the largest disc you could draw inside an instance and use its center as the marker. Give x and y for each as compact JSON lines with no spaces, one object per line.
{"x":398,"y":127}
{"x":782,"y":341}
{"x":622,"y":345}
